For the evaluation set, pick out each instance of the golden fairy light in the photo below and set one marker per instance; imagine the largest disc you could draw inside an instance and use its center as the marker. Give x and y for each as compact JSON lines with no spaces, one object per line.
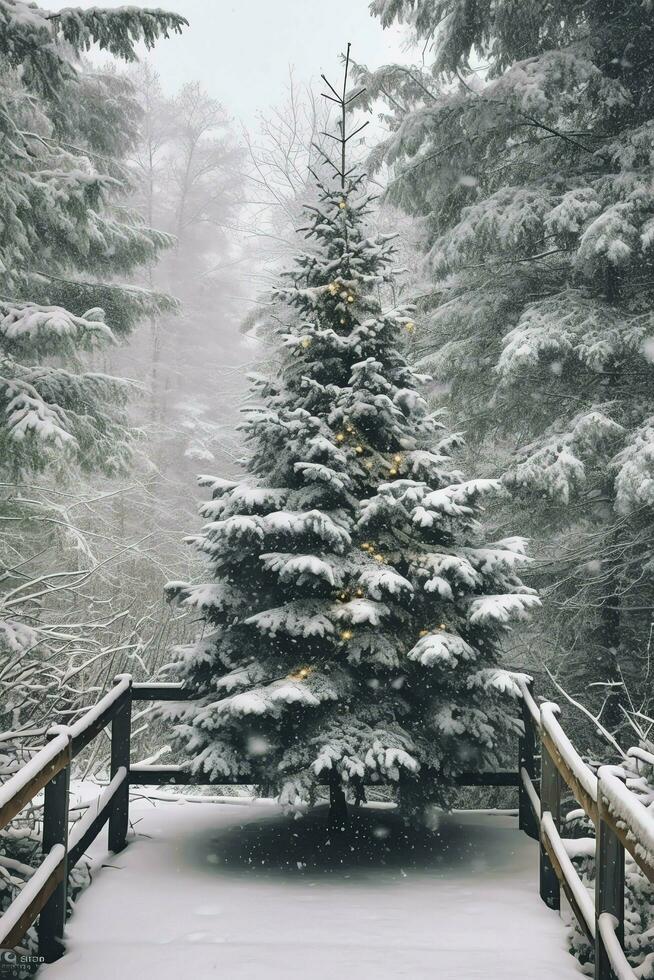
{"x":358,"y":450}
{"x":366,"y":545}
{"x":342,"y":204}
{"x":359,"y":593}
{"x":410,"y":326}
{"x":301,"y":674}
{"x":423,"y":633}
{"x":397,"y":458}
{"x":350,"y":298}
{"x":368,"y":464}
{"x":392,"y":471}
{"x":306,"y":342}
{"x":340,"y":437}
{"x":342,"y":320}
{"x":379,"y":558}
{"x":346,"y":635}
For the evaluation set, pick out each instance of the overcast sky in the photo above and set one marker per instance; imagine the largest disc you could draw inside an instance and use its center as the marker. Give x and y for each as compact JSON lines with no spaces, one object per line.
{"x":241,"y":49}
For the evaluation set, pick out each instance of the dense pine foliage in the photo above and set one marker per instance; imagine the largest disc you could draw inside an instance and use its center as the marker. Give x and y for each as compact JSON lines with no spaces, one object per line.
{"x":525,"y":149}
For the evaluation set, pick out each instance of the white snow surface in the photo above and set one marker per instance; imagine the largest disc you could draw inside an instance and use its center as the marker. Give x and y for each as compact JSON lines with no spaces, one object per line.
{"x":244,"y":893}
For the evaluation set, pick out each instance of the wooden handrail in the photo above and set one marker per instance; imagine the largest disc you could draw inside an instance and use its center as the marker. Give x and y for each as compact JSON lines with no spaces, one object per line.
{"x":24,"y":785}
{"x":622,"y":822}
{"x":44,"y":894}
{"x":33,"y":896}
{"x":629,"y":820}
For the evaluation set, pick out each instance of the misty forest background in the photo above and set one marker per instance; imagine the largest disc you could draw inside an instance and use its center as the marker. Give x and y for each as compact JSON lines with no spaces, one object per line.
{"x":517,"y":181}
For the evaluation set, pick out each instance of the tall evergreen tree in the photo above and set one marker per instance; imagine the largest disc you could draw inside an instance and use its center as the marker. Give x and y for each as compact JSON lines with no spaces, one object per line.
{"x":354,"y":620}
{"x":526,"y":150}
{"x":64,"y":237}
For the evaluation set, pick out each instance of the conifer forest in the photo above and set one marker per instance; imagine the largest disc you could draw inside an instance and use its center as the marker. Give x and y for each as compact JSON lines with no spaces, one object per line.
{"x":327,"y":489}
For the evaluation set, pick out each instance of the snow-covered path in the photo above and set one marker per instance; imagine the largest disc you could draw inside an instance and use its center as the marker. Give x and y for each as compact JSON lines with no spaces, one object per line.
{"x":241,"y":893}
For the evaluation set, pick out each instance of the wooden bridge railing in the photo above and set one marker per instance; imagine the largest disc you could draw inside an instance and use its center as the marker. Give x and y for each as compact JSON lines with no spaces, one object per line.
{"x":621,"y":821}
{"x":44,"y":894}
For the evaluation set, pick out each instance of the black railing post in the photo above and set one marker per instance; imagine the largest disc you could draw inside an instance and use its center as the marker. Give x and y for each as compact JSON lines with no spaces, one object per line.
{"x":527,"y":819}
{"x":50,"y":929}
{"x":121,"y":726}
{"x":550,"y":802}
{"x":609,"y":888}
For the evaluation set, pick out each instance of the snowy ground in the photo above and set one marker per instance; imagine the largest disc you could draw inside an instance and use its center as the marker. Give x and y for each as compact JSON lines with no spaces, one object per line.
{"x":243,"y":893}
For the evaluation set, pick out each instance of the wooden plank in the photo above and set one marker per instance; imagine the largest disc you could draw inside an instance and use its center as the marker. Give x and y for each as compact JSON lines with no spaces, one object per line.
{"x":89,"y":826}
{"x":588,"y":804}
{"x":632,"y":846}
{"x":487,"y":779}
{"x":565,"y":871}
{"x":22,"y":912}
{"x":178,"y":776}
{"x":152,"y":775}
{"x":161,"y":692}
{"x":632,"y":837}
{"x":21,"y":788}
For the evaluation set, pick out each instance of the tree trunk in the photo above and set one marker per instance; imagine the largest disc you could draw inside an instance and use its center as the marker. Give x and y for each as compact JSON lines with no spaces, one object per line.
{"x":338,"y":815}
{"x":612,"y":716}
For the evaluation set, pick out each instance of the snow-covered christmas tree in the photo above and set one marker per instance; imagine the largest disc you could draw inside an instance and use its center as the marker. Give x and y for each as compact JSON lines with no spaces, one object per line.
{"x":354,"y":621}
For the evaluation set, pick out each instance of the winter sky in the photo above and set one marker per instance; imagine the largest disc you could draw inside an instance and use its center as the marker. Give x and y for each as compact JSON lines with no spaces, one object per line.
{"x":241,"y":50}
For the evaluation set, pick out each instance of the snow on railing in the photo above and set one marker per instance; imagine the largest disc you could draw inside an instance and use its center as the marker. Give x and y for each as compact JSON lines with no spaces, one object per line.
{"x":93,"y":717}
{"x":607,"y":925}
{"x":577,"y":770}
{"x":32,"y":777}
{"x":633,"y":821}
{"x":86,"y":829}
{"x":641,"y":755}
{"x":28,"y":899}
{"x":622,"y":822}
{"x":578,"y":896}
{"x":44,"y":893}
{"x":528,"y":700}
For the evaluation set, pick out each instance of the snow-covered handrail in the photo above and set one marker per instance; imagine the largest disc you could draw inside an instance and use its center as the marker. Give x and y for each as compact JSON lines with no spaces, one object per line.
{"x":97,"y":813}
{"x":529,"y":702}
{"x":606,"y":927}
{"x":44,"y":893}
{"x":578,"y":896}
{"x":630,"y":820}
{"x":95,"y":718}
{"x":32,"y":897}
{"x":641,"y":755}
{"x":578,"y":776}
{"x":622,"y":823}
{"x":32,"y":777}
{"x":160,"y":691}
